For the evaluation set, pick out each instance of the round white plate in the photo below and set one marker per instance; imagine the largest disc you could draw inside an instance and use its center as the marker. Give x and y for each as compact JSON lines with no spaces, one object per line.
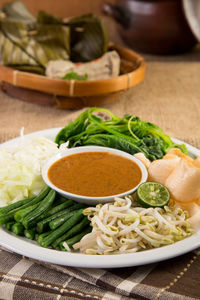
{"x":31,"y":249}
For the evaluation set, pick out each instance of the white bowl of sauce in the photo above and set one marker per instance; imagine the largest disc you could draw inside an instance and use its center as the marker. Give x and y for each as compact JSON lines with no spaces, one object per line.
{"x":94,"y":174}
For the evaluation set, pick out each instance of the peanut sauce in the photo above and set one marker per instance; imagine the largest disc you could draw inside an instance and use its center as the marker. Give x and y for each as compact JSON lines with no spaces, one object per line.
{"x":95,"y":174}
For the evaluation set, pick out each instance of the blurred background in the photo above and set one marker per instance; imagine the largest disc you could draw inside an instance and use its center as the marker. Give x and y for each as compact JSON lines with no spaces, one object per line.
{"x":75,"y":8}
{"x":64,"y":8}
{"x":165,"y":33}
{"x":158,"y":30}
{"x":158,"y":27}
{"x":150,"y":26}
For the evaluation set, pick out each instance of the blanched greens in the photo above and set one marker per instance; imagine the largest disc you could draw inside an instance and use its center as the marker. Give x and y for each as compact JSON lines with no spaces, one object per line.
{"x":98,"y":126}
{"x":75,"y":76}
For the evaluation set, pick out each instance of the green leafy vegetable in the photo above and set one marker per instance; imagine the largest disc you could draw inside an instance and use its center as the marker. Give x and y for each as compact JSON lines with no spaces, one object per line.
{"x":73,"y":128}
{"x":75,"y":76}
{"x":129,"y":134}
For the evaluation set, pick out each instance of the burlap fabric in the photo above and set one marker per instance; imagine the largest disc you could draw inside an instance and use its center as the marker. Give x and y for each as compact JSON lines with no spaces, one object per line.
{"x":168,"y":97}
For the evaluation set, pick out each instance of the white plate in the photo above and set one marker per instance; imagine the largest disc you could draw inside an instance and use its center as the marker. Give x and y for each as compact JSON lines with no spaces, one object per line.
{"x":30,"y":249}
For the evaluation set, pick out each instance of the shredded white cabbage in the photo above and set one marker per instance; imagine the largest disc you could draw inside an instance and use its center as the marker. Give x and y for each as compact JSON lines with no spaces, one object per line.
{"x":20,"y":168}
{"x":121,"y":228}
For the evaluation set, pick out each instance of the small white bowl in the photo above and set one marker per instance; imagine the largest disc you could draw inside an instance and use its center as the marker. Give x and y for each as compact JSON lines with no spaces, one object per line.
{"x":87,"y":199}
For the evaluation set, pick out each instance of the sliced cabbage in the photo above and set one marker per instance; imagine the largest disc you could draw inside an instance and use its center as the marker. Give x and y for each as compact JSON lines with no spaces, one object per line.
{"x":20,"y":168}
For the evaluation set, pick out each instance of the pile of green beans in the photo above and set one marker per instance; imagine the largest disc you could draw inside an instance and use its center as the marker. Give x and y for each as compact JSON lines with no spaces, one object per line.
{"x":48,"y":219}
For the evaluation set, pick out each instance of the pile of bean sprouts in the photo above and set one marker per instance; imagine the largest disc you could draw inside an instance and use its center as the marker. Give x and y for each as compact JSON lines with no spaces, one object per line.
{"x":119,"y":227}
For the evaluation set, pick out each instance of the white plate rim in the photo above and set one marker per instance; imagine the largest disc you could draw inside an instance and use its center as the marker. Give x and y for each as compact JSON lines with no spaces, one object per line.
{"x":30,"y":249}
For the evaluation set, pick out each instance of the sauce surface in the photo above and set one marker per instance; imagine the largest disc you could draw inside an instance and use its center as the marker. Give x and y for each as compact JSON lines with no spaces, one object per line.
{"x":95,"y":174}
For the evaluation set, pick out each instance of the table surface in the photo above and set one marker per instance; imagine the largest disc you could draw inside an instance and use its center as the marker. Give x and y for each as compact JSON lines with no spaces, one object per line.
{"x":169,"y":97}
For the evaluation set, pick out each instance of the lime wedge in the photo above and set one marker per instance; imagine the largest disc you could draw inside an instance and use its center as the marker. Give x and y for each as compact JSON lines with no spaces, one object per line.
{"x":153,"y":194}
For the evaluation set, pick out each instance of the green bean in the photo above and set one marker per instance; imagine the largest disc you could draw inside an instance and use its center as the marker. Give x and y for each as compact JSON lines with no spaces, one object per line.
{"x":60,"y":207}
{"x":59,"y":221}
{"x":30,"y":220}
{"x":39,"y":236}
{"x":42,"y":236}
{"x":61,"y":199}
{"x":50,"y":238}
{"x":20,"y":214}
{"x":73,"y":231}
{"x":9,"y":225}
{"x":10,"y":215}
{"x":8,"y":208}
{"x":43,"y":224}
{"x":7,"y":218}
{"x":56,"y":222}
{"x":17,"y":229}
{"x":55,"y":209}
{"x":75,"y":239}
{"x":30,"y":233}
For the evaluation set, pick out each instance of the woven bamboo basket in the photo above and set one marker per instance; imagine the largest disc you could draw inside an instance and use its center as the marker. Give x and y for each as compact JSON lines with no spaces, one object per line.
{"x":72,"y":94}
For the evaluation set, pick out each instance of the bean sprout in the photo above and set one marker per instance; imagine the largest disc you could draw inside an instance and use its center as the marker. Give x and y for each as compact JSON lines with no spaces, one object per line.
{"x":120,"y":227}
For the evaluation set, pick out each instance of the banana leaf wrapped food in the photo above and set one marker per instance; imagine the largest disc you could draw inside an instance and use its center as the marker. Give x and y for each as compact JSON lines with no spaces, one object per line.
{"x":32,"y":45}
{"x":104,"y":67}
{"x":28,"y":43}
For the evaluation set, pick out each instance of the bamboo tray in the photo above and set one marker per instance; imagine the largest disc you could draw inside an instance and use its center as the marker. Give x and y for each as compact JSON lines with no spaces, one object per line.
{"x":71,"y":94}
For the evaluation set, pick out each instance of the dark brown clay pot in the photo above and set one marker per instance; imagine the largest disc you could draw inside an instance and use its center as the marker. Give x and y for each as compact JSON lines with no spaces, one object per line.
{"x":156,"y":27}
